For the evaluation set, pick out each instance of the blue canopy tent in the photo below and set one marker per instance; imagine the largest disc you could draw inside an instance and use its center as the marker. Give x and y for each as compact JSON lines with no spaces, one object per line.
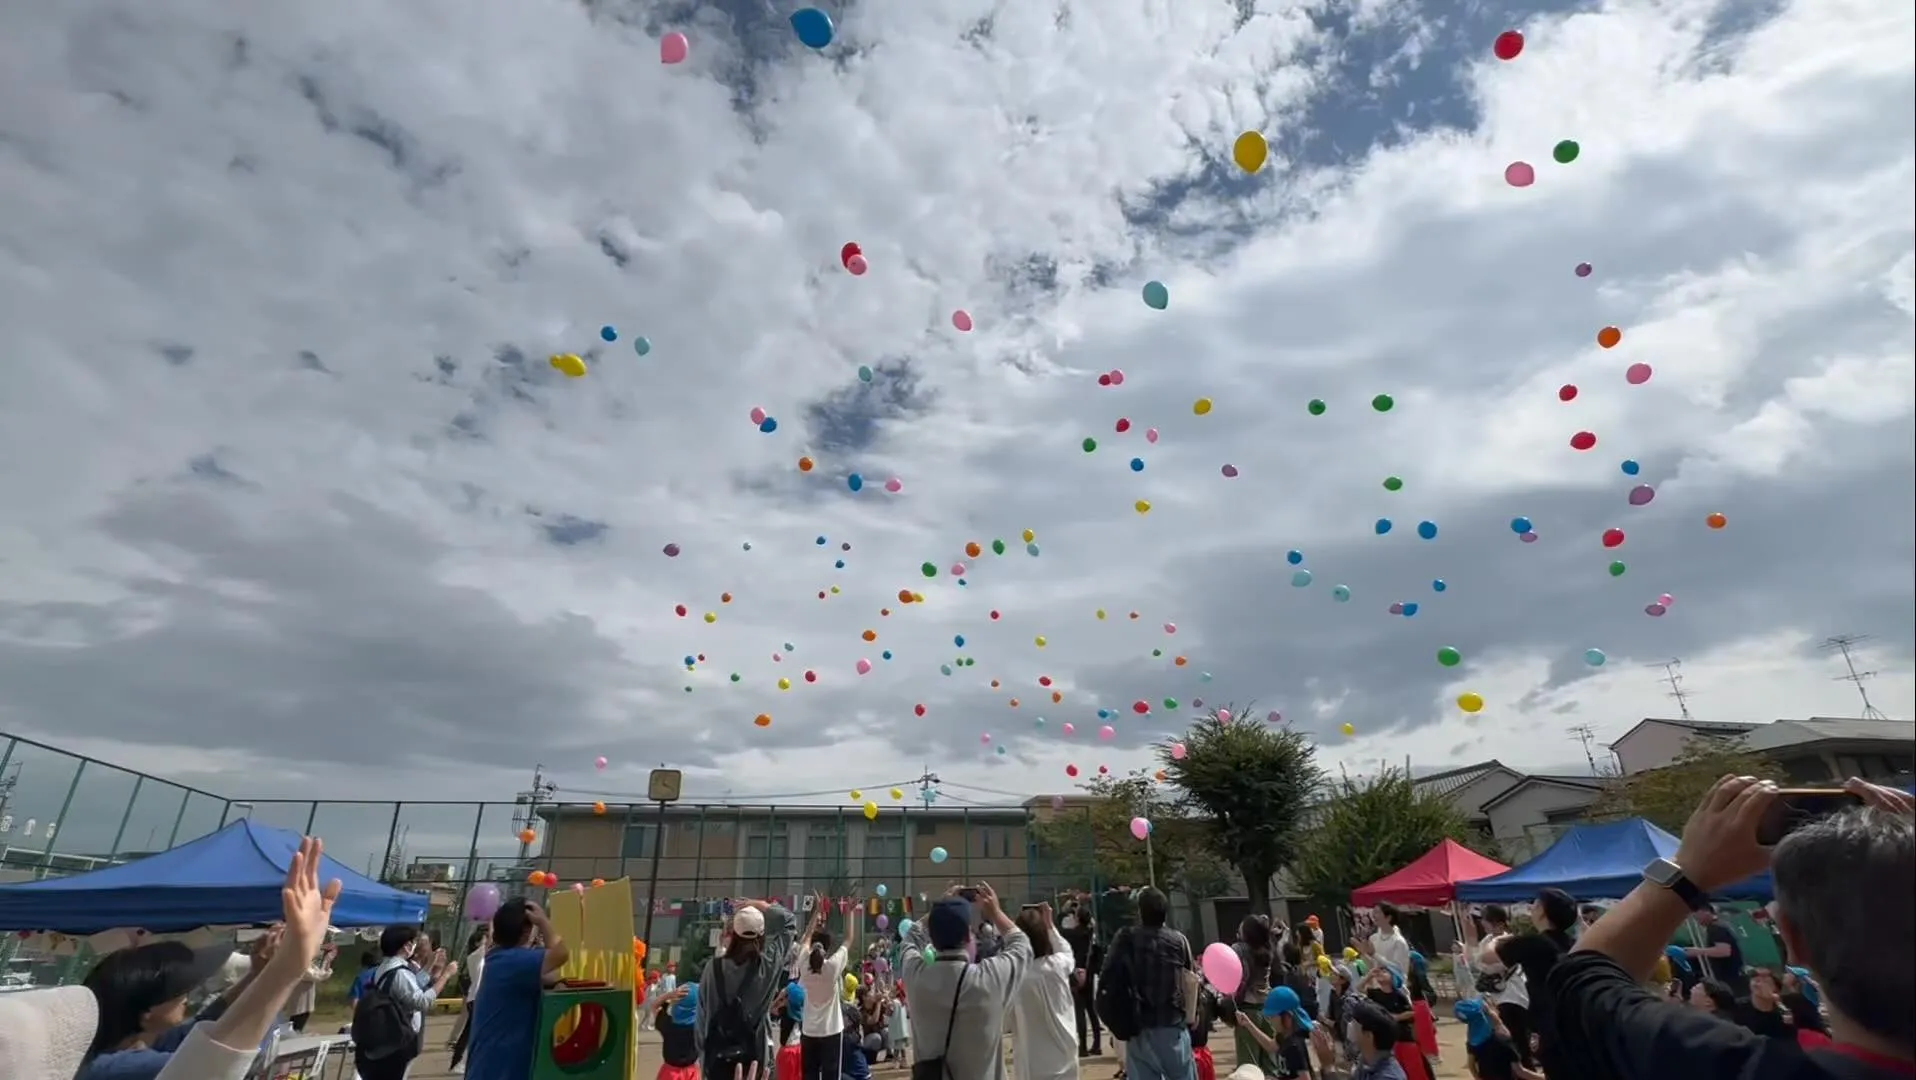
{"x":232,"y":877}
{"x":1596,"y":862}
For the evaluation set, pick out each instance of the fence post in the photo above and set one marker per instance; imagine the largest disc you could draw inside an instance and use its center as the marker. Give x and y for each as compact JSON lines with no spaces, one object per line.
{"x":472,"y":862}
{"x":312,"y":815}
{"x":119,"y":834}
{"x":173,"y":837}
{"x":386,"y":873}
{"x":698,"y":864}
{"x":53,"y":830}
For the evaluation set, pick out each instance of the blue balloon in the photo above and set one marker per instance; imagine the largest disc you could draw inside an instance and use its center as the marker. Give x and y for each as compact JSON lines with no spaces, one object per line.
{"x":1410,"y":609}
{"x":813,"y":27}
{"x":886,"y":655}
{"x":958,"y":640}
{"x":854,"y":481}
{"x":1631,"y":468}
{"x":1137,"y":464}
{"x":839,"y":565}
{"x":962,"y":582}
{"x":1594,"y":657}
{"x":770,"y":425}
{"x":820,"y":541}
{"x":1293,"y":556}
{"x":1300,"y":578}
{"x":1032,"y":550}
{"x":1382,"y":526}
{"x":945,"y":668}
{"x":1438,"y":585}
{"x":1156,"y":296}
{"x":1427,"y":530}
{"x":1341,"y":593}
{"x":864,"y":373}
{"x":1520,"y":525}
{"x":1104,"y":714}
{"x":689,"y":661}
{"x":606,"y":333}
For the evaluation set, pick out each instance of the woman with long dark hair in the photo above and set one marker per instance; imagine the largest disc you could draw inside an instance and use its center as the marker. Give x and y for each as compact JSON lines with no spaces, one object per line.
{"x":1257,"y":956}
{"x":1553,"y":913}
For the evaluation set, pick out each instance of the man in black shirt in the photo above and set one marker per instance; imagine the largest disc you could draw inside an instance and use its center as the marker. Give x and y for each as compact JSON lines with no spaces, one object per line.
{"x":1721,"y":953}
{"x":1080,"y":931}
{"x":1846,"y":903}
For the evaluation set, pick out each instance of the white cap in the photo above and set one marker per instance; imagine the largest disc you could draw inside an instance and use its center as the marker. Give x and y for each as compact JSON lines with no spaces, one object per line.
{"x":748,"y":922}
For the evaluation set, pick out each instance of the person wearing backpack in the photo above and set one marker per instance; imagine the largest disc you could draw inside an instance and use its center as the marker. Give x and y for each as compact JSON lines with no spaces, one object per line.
{"x":736,"y":991}
{"x":391,"y":1010}
{"x":1148,"y":991}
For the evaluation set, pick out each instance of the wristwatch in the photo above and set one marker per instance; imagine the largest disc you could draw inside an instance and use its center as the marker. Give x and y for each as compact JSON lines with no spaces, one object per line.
{"x":1668,"y":875}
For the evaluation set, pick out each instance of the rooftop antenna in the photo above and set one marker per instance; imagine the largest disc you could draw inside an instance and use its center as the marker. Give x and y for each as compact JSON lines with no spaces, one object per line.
{"x":1843,"y":643}
{"x":1673,"y":676}
{"x":1582,"y":733}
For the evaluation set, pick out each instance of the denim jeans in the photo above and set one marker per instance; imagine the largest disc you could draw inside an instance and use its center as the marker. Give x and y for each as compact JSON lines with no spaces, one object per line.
{"x":1159,"y":1054}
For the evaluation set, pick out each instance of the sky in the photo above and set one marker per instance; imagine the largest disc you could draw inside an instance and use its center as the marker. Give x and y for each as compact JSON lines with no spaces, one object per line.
{"x":295,"y":506}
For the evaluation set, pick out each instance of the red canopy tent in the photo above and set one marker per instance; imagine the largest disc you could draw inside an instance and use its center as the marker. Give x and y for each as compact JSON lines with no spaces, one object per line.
{"x":1432,"y":880}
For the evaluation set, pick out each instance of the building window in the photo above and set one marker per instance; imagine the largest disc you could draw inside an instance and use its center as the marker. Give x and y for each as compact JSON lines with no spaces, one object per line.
{"x":884,"y":855}
{"x":768,"y":853}
{"x":824,"y":852}
{"x":639,"y":842}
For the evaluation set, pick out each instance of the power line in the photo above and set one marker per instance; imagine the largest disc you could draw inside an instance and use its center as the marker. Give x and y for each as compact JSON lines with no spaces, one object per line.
{"x":1843,"y":643}
{"x":1673,"y":676}
{"x":1581,"y":733}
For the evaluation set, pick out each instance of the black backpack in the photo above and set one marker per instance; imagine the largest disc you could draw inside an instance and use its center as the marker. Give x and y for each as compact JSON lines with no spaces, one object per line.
{"x":731,"y":1040}
{"x":381,"y":1026}
{"x":1117,"y":1001}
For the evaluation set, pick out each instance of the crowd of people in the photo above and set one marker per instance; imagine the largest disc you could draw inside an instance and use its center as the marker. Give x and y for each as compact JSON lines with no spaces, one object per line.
{"x":1580,"y":993}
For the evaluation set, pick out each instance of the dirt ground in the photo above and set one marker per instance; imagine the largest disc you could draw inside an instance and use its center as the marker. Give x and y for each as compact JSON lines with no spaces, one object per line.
{"x":432,"y":1065}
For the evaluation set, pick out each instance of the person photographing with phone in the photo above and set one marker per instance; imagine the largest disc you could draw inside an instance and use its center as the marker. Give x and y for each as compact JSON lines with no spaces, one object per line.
{"x":958,"y":1007}
{"x":1846,"y":906}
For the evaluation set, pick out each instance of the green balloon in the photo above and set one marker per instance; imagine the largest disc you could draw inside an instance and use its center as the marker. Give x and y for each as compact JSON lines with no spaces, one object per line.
{"x":1566,"y":151}
{"x":997,"y":547}
{"x":734,"y":676}
{"x":1090,"y":444}
{"x":928,"y":570}
{"x":1382,"y":402}
{"x":1157,"y":652}
{"x":1449,"y":657}
{"x":1156,"y":296}
{"x":1393,"y":483}
{"x":1316,"y":406}
{"x":1170,"y":703}
{"x":1617,"y":568}
{"x":864,"y":373}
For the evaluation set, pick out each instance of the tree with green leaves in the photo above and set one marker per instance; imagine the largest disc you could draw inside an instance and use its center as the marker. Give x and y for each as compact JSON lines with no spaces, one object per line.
{"x":1665,"y":797}
{"x":1367,"y":828}
{"x":1251,"y":785}
{"x":1089,"y":842}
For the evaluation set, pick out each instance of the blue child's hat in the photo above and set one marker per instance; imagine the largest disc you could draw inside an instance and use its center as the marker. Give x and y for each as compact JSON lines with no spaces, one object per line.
{"x":1475,"y":1016}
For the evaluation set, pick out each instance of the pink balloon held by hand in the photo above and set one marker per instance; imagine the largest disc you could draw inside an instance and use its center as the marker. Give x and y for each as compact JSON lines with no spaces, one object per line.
{"x":674,"y":48}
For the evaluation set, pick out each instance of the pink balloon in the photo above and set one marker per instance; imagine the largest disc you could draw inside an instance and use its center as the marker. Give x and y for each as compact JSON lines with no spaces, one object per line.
{"x":857,"y":265}
{"x":1666,"y":599}
{"x":1583,"y":269}
{"x":1228,"y":471}
{"x":1655,"y":611}
{"x":884,"y":921}
{"x":1519,"y":174}
{"x":600,"y":763}
{"x":894,"y":485}
{"x":579,"y":887}
{"x":1529,"y":537}
{"x":1637,"y":374}
{"x":758,"y":415}
{"x":1150,"y":435}
{"x":1397,"y":609}
{"x":1224,"y":716}
{"x":864,"y":667}
{"x":1057,"y":802}
{"x":961,"y":319}
{"x":1170,"y":628}
{"x":1274,"y":717}
{"x":985,"y":738}
{"x":1107,"y":733}
{"x":1140,"y":828}
{"x":1070,"y":728}
{"x":957,"y":569}
{"x":1222,"y":968}
{"x":1642,"y":494}
{"x":1177,"y":751}
{"x":674,"y":48}
{"x":482,"y":902}
{"x":1117,"y":377}
{"x":776,"y":657}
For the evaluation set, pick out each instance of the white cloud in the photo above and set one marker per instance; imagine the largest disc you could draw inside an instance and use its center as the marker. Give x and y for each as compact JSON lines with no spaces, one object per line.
{"x":284,"y":457}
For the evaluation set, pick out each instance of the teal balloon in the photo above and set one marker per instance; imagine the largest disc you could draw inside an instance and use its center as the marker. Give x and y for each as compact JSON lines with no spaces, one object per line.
{"x":1300,"y":578}
{"x":813,"y":27}
{"x":939,"y":855}
{"x":1594,"y":657}
{"x":864,"y":372}
{"x":1341,"y":593}
{"x":944,"y":669}
{"x":641,"y":345}
{"x":1156,"y":296}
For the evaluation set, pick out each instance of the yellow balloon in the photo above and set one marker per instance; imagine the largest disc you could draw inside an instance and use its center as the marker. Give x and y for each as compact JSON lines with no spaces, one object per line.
{"x":1038,"y":641}
{"x":1249,"y":151}
{"x":1201,"y":406}
{"x":1030,"y":536}
{"x":1100,"y":613}
{"x":568,"y":365}
{"x":711,"y":616}
{"x":834,"y":590}
{"x":1349,"y":729}
{"x":897,"y":793}
{"x":871,"y":811}
{"x":857,"y":794}
{"x":917,"y":598}
{"x":784,"y":684}
{"x":1470,"y":702}
{"x":1142,"y":506}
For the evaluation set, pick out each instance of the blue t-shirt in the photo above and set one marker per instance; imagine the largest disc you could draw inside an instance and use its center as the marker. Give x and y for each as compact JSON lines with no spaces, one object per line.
{"x":505,"y":1014}
{"x":360,"y":982}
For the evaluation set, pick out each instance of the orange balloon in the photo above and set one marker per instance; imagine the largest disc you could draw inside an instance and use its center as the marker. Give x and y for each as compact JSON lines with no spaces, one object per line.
{"x":972,"y":549}
{"x":725,"y":598}
{"x":598,"y":808}
{"x":537,"y":877}
{"x":1056,"y":697}
{"x":763,"y":719}
{"x":1014,"y":703}
{"x":1158,"y":776}
{"x":1716,"y":520}
{"x":904,"y":596}
{"x":870,"y":635}
{"x":1180,"y":661}
{"x":804,"y":464}
{"x":1609,"y":336}
{"x":598,"y":882}
{"x":527,"y":836}
{"x":994,"y":684}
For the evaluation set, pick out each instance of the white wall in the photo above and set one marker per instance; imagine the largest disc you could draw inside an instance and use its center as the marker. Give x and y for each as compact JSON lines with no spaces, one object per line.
{"x":1469,"y":800}
{"x":1521,"y":823}
{"x":1650,"y":745}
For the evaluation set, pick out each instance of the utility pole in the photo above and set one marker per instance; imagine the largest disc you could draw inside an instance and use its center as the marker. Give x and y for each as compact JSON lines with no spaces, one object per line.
{"x":927,"y":787}
{"x":1843,"y":643}
{"x":527,"y":816}
{"x":1673,"y":676}
{"x":1582,"y":733}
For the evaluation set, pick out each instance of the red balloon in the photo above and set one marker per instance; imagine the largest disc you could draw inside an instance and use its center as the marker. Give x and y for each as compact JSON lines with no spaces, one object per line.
{"x":811,"y":676}
{"x":1612,"y":538}
{"x":1566,"y":392}
{"x":919,"y":709}
{"x":1071,"y":770}
{"x":1140,"y":707}
{"x":994,"y":616}
{"x":1123,"y":424}
{"x":680,"y":609}
{"x":1508,"y":45}
{"x":1044,"y":680}
{"x":1582,"y":440}
{"x":845,"y":254}
{"x":1104,"y":379}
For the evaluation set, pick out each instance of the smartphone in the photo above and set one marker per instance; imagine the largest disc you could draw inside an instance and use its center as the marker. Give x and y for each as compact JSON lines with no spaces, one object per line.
{"x":970,"y":894}
{"x":1797,"y":807}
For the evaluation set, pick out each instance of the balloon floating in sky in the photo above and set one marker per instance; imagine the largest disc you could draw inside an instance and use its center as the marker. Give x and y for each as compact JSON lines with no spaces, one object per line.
{"x":1393,"y":483}
{"x":1300,"y":578}
{"x":1508,"y":45}
{"x":1438,"y":585}
{"x":1228,"y":470}
{"x":1583,"y":440}
{"x":1470,"y":702}
{"x":1156,"y":296}
{"x":768,"y":425}
{"x":1409,"y":608}
{"x":1449,"y":657}
{"x":1294,"y":557}
{"x":671,"y":551}
{"x":1520,"y":525}
{"x":1565,"y":152}
{"x":607,"y":333}
{"x":1341,"y":593}
{"x":1427,"y":530}
{"x":1520,"y":174}
{"x":1250,"y":151}
{"x":1594,"y":657}
{"x":1347,"y":729}
{"x":1716,"y":520}
{"x":813,"y":27}
{"x":1137,"y":464}
{"x":1612,"y":538}
{"x":1382,"y":402}
{"x":962,"y":320}
{"x":1201,"y":407}
{"x":568,"y":365}
{"x":1655,"y":611}
{"x":1151,"y":435}
{"x":1583,"y":269}
{"x":1316,"y":407}
{"x":1630,"y":467}
{"x":1637,"y":374}
{"x":1567,"y":392}
{"x":1617,"y":568}
{"x":1140,"y":828}
{"x":1609,"y":337}
{"x":864,"y":373}
{"x":641,"y":345}
{"x":1642,"y":494}
{"x":855,"y":482}
{"x":1528,"y":538}
{"x":674,"y":48}
{"x":1382,"y":526}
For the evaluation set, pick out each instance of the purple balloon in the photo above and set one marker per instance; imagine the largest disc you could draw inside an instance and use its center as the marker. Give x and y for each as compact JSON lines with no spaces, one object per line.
{"x":482,"y":902}
{"x":1583,"y":269}
{"x":1274,"y":717}
{"x":1642,"y":494}
{"x":1397,"y":609}
{"x":883,"y":922}
{"x":1529,"y":538}
{"x":1655,"y":611}
{"x":671,"y":551}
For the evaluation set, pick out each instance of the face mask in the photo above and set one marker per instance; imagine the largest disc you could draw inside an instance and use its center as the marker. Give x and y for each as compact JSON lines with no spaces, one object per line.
{"x":1069,"y":922}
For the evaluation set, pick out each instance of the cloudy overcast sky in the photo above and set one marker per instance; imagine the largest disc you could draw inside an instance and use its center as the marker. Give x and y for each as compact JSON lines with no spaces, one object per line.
{"x":291,"y":502}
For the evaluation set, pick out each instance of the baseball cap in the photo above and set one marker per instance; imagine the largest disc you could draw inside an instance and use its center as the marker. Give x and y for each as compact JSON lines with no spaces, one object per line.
{"x":748,"y":922}
{"x":948,"y":923}
{"x":1282,"y":1000}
